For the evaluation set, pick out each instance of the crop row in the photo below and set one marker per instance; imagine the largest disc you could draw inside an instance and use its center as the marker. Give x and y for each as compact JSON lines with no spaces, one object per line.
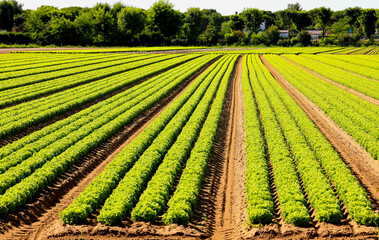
{"x":366,"y":61}
{"x":339,"y":62}
{"x":52,"y":145}
{"x":82,"y":141}
{"x":126,"y":194}
{"x":102,"y":186}
{"x":317,"y":187}
{"x":24,"y":115}
{"x":16,"y":95}
{"x":347,"y":186}
{"x":184,"y":200}
{"x":361,"y":84}
{"x":41,"y":139}
{"x":260,"y":205}
{"x":27,"y":80}
{"x":37,"y":60}
{"x":363,"y":51}
{"x":55,"y":65}
{"x":356,"y":116}
{"x":13,"y":60}
{"x":290,"y":195}
{"x":374,"y":51}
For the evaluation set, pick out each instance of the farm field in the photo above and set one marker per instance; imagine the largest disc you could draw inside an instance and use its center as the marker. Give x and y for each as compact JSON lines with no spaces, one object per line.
{"x":272,"y":143}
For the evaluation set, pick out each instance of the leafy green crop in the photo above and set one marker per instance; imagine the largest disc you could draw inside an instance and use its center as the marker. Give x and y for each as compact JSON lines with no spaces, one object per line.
{"x":52,"y":160}
{"x":182,"y":203}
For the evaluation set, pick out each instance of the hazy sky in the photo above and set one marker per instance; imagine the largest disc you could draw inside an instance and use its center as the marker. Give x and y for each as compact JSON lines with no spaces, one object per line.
{"x":224,"y":7}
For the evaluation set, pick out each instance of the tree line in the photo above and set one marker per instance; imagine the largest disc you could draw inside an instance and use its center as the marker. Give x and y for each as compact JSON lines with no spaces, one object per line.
{"x":161,"y":24}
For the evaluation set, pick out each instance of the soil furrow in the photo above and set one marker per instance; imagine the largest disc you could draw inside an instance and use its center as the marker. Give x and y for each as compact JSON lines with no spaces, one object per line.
{"x":359,"y":94}
{"x":231,"y":214}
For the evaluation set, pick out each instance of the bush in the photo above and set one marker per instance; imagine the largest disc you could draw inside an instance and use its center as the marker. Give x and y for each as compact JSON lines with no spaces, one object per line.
{"x":295,"y":41}
{"x":283,"y":42}
{"x":304,"y":38}
{"x":14,"y":38}
{"x":235,"y":37}
{"x":328,"y":40}
{"x":344,"y":39}
{"x":272,"y":35}
{"x":257,"y":39}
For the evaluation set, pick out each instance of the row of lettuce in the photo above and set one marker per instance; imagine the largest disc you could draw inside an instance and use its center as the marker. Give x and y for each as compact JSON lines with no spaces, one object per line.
{"x":141,"y":182}
{"x":358,"y":117}
{"x":298,"y":153}
{"x":20,"y":89}
{"x":335,"y":70}
{"x":167,"y":143}
{"x":21,"y":116}
{"x":44,"y":155}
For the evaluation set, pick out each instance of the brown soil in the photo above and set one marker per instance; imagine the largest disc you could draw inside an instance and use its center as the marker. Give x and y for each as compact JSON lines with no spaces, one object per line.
{"x":363,"y":166}
{"x":40,"y":219}
{"x":359,"y":94}
{"x":230,"y":212}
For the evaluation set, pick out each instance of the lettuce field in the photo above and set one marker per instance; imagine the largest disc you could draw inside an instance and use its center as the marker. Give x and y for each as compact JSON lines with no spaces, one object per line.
{"x":272,"y":143}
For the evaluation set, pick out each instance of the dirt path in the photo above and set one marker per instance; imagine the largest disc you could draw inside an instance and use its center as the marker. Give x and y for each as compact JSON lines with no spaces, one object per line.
{"x":359,"y":94}
{"x":230,"y":213}
{"x":41,"y":218}
{"x":363,"y":166}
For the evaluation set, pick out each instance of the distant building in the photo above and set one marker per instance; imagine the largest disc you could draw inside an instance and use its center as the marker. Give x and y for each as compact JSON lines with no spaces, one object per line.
{"x":315,"y":34}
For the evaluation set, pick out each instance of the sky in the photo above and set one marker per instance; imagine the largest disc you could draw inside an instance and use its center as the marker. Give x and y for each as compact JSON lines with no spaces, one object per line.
{"x":225,"y":7}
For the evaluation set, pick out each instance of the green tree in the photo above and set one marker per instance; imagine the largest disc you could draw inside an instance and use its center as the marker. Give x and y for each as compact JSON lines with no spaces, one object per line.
{"x":353,"y":14}
{"x":285,"y":17}
{"x":341,"y":26}
{"x":71,"y":13}
{"x":131,"y":19}
{"x":268,"y":18}
{"x":116,"y":9}
{"x":272,"y":35}
{"x":294,"y":7}
{"x":85,"y":27}
{"x":323,"y":15}
{"x":193,"y":19}
{"x":104,"y":24}
{"x":252,"y":18}
{"x":37,"y":23}
{"x":367,"y":21}
{"x":164,"y":20}
{"x":8,"y":11}
{"x":301,"y":20}
{"x":236,"y":22}
{"x":212,"y":34}
{"x":62,"y":32}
